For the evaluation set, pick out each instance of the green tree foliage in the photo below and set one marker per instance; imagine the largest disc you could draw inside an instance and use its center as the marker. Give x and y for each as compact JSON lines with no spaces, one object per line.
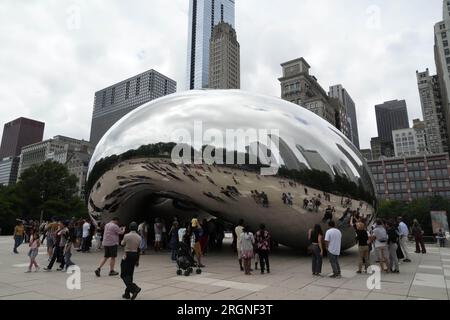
{"x":417,"y":209}
{"x":48,"y":188}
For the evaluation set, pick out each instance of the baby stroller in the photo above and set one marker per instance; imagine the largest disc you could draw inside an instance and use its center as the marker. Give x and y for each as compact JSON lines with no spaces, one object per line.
{"x":185,"y":260}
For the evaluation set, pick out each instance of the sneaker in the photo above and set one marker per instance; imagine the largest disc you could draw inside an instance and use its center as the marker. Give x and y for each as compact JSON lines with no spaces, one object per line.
{"x":242,"y":268}
{"x":135,"y":293}
{"x":406,"y":260}
{"x":97,"y":272}
{"x":113,"y":273}
{"x":47,"y":269}
{"x":396,"y":271}
{"x":126,"y":296}
{"x":262,"y":271}
{"x":359,"y":271}
{"x":60,"y":269}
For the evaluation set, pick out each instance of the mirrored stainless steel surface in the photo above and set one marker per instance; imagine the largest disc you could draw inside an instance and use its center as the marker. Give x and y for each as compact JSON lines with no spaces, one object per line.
{"x":132,"y":174}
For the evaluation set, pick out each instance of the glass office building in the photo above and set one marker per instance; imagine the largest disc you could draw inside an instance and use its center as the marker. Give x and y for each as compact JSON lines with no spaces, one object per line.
{"x":204,"y":15}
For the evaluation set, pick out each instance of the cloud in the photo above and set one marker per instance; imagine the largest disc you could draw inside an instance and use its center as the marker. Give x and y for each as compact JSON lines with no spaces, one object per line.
{"x":56,"y":54}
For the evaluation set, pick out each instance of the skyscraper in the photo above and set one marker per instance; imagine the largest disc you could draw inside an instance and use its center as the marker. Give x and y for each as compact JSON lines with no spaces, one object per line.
{"x":19,"y":133}
{"x":113,"y":102}
{"x":224,"y":60}
{"x":431,"y":101}
{"x":204,"y":15}
{"x":442,"y":59}
{"x":337,"y":91}
{"x":391,"y":115}
{"x":300,"y":87}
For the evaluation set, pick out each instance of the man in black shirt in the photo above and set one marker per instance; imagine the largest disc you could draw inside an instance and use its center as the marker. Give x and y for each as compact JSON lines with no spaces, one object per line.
{"x":362,"y":238}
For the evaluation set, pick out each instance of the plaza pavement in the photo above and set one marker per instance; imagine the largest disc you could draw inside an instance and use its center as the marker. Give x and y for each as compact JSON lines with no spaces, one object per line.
{"x":426,"y":277}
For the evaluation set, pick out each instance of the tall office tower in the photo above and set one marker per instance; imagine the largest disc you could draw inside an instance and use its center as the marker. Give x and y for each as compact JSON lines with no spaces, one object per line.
{"x":391,"y":115}
{"x":113,"y":102}
{"x":299,"y":87}
{"x":435,"y":124}
{"x":18,"y":133}
{"x":224,"y":60}
{"x":204,"y":15}
{"x":337,"y":91}
{"x":442,"y":60}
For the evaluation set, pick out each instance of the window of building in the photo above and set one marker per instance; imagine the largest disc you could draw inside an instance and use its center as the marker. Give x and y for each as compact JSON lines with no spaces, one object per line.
{"x":138,"y":86}
{"x":127,"y":90}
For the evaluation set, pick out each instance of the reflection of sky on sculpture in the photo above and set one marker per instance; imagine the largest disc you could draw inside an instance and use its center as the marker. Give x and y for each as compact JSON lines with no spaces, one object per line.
{"x":226,"y":109}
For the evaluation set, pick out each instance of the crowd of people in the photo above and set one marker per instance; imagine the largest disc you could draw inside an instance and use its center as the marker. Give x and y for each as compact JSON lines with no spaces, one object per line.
{"x":383,"y":242}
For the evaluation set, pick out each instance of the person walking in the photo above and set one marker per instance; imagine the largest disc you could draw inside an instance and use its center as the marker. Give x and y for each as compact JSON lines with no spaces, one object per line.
{"x":418,"y":237}
{"x":35,"y":243}
{"x":19,"y":233}
{"x":238,"y":231}
{"x":110,"y":244}
{"x":85,"y":236}
{"x":246,"y":242}
{"x":58,"y":250}
{"x":131,"y":241}
{"x":262,"y":239}
{"x":440,"y":236}
{"x":393,"y":238}
{"x":315,"y":238}
{"x":68,"y":253}
{"x":333,"y":239}
{"x":403,"y":241}
{"x":380,"y":240}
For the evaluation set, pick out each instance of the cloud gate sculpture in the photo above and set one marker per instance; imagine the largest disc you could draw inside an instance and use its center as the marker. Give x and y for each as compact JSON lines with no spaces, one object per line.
{"x":229,"y":154}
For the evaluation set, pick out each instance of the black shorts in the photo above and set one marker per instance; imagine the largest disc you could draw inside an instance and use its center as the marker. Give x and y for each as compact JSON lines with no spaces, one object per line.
{"x":111,"y":252}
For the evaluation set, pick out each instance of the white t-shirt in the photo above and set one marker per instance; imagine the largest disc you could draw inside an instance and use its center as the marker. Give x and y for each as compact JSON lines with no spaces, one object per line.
{"x":403,"y":228}
{"x":238,"y":230}
{"x":86,"y":227}
{"x":181,"y":233}
{"x":334,"y":237}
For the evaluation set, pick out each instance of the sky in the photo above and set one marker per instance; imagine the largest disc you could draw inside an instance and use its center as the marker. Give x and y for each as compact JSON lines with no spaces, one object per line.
{"x":55,"y":54}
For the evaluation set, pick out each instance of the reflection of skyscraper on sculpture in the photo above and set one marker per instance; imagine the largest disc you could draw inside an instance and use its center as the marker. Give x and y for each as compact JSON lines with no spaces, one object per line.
{"x":315,"y":160}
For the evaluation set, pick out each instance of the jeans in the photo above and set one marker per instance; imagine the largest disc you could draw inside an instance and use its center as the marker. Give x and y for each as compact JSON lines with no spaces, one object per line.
{"x":363,"y":257}
{"x":316,"y":259}
{"x":85,"y":244}
{"x":403,"y":245}
{"x":393,"y":259}
{"x":17,"y":242}
{"x":264,"y":260}
{"x":127,"y":271}
{"x":68,"y":262}
{"x":334,"y":263}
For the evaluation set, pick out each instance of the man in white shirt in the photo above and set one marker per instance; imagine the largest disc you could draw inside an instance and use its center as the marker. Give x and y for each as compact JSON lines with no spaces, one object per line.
{"x":380,"y":239}
{"x":404,"y":232}
{"x":143,"y":232}
{"x":333,"y":239}
{"x":85,"y":235}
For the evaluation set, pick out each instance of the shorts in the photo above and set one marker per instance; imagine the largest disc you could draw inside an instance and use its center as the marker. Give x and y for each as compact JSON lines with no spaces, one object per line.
{"x":50,"y":242}
{"x":110,"y":251}
{"x":198,"y":249}
{"x":158,"y":237}
{"x":33,"y":253}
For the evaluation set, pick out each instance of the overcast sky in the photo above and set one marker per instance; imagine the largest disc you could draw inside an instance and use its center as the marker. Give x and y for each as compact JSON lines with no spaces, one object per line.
{"x":55,"y":54}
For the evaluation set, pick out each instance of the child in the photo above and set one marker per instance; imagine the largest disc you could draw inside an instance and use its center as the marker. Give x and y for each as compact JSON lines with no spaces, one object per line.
{"x":35,"y":243}
{"x":68,"y":254}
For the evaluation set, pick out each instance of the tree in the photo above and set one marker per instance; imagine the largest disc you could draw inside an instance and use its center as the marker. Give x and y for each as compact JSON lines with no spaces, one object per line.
{"x":49,"y":187}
